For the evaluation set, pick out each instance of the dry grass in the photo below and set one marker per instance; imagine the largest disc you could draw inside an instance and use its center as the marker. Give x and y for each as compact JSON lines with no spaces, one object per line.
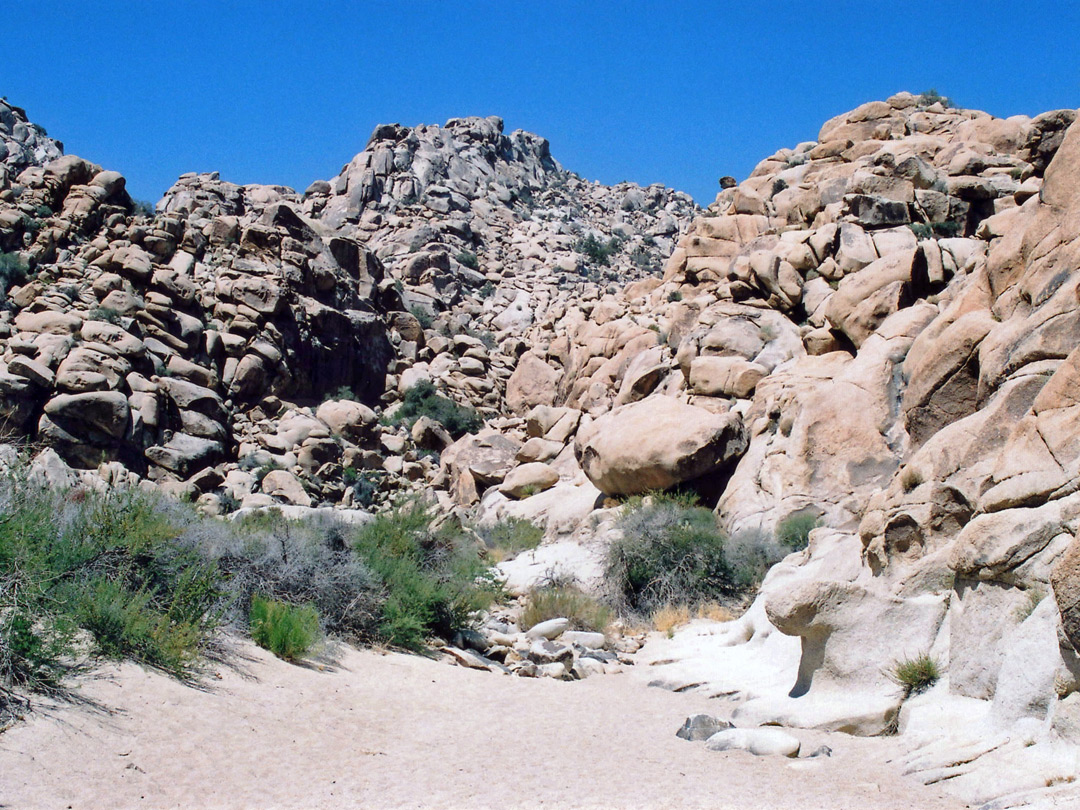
{"x":669,"y":617}
{"x":565,"y":601}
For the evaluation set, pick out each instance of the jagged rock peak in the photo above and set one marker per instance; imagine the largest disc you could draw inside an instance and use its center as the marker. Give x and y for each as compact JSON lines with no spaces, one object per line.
{"x":22,"y":143}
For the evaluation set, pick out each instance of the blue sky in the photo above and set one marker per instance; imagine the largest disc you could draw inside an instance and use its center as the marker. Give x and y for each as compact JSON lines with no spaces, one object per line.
{"x":679,"y":93}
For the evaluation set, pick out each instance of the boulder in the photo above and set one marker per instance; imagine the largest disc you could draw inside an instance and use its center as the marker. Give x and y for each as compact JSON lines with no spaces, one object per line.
{"x":532,"y":383}
{"x":757,"y":741}
{"x":528,"y":479}
{"x":657,"y":443}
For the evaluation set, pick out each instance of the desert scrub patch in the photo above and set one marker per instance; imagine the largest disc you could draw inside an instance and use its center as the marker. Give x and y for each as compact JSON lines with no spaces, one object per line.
{"x":86,"y":574}
{"x":915,"y":675}
{"x":562,"y":598}
{"x":423,"y":400}
{"x":288,"y":631}
{"x":670,"y":552}
{"x":509,"y":537}
{"x":433,"y":577}
{"x":793,"y":532}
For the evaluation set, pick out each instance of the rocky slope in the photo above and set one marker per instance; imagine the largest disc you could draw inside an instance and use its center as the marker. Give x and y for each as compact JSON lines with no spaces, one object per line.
{"x":877,"y":329}
{"x":193,"y":348}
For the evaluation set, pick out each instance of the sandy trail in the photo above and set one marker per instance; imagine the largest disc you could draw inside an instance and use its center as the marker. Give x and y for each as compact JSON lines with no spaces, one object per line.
{"x":402,"y":731}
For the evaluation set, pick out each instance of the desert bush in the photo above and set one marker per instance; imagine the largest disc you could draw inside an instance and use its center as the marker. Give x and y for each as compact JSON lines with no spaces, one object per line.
{"x":468,"y":259}
{"x":509,"y":537}
{"x":434,"y":579}
{"x":793,"y":532}
{"x":596,"y":251}
{"x":560,"y":597}
{"x":915,"y":675}
{"x":13,"y":270}
{"x":288,"y":631}
{"x":671,"y":552}
{"x":423,"y":400}
{"x":674,"y":296}
{"x":107,"y":314}
{"x":932,"y":96}
{"x":142,"y":208}
{"x":85,"y":574}
{"x":424,"y":316}
{"x":300,"y":563}
{"x":750,"y":554}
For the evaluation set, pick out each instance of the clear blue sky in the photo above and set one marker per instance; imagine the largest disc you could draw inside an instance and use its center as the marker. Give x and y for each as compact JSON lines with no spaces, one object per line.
{"x":679,"y":93}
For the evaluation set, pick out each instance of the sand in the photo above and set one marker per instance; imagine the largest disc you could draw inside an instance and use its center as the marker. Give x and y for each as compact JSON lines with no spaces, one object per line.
{"x":390,"y":730}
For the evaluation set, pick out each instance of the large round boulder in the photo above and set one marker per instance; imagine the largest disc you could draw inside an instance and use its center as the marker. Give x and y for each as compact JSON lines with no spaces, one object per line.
{"x":655,"y":444}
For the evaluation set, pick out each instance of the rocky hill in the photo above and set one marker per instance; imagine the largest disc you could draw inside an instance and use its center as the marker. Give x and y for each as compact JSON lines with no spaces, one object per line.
{"x":876,"y":331}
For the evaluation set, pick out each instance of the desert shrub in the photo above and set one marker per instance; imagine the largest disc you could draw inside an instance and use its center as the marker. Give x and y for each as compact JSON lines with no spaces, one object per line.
{"x":424,"y":316}
{"x":85,"y":574}
{"x":674,"y":296}
{"x":13,"y":270}
{"x":468,"y":259}
{"x":779,"y":184}
{"x":434,"y":579}
{"x":750,"y":554}
{"x":947,"y":229}
{"x":106,"y":314}
{"x":562,"y":598}
{"x":142,"y":208}
{"x":671,"y":552}
{"x":793,"y":532}
{"x":921,"y":230}
{"x":915,"y":675}
{"x":596,"y":251}
{"x":487,"y":290}
{"x":423,"y":400}
{"x":341,"y":392}
{"x":300,"y":563}
{"x":288,"y":631}
{"x":509,"y":537}
{"x":932,"y":96}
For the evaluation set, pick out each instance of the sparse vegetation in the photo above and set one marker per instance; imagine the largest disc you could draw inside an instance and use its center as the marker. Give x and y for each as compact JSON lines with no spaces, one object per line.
{"x":793,"y":532}
{"x":596,"y":251}
{"x":468,"y":259}
{"x":423,"y":315}
{"x":288,"y":631}
{"x":674,"y":296}
{"x":142,"y":208}
{"x":932,"y":96}
{"x":915,"y":675}
{"x":671,"y":552}
{"x":106,"y":314}
{"x":13,"y":270}
{"x":434,"y":579}
{"x":423,"y":400}
{"x":509,"y":537}
{"x":562,"y":597}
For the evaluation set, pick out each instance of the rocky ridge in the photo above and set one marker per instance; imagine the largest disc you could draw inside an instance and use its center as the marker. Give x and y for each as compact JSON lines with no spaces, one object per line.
{"x":192,"y":349}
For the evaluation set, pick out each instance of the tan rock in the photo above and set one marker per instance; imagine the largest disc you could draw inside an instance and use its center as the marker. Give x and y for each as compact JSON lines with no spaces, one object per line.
{"x":655,"y":444}
{"x":283,"y":484}
{"x":528,"y":479}
{"x":725,"y":376}
{"x":532,"y":383}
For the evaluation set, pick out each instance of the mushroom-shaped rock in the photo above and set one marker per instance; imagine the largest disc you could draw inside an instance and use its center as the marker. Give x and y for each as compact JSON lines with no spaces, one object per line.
{"x":655,"y":444}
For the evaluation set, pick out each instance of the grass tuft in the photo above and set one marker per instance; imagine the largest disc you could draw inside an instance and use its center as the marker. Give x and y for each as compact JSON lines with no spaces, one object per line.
{"x":915,"y":675}
{"x":288,"y":631}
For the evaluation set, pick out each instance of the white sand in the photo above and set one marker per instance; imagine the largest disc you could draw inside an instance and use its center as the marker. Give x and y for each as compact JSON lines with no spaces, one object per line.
{"x":403,"y":731}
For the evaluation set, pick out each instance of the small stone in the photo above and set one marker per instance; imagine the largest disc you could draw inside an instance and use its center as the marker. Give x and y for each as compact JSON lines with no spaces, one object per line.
{"x":701,"y":727}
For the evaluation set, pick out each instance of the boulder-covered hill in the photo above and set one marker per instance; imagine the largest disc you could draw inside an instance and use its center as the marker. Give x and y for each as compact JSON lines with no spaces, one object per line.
{"x":245,"y":328}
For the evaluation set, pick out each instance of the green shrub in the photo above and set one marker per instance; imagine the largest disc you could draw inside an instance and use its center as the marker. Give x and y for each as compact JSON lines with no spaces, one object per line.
{"x":106,"y":314}
{"x":142,"y":208}
{"x":468,"y":259}
{"x":596,"y":251}
{"x":421,"y":314}
{"x":750,"y":554}
{"x":915,"y":675}
{"x":932,"y":96}
{"x":674,"y":296}
{"x":434,"y":579}
{"x":509,"y":537}
{"x":779,"y":184}
{"x":342,"y":392}
{"x":921,"y":230}
{"x":793,"y":532}
{"x":670,"y":552}
{"x":423,"y":400}
{"x":288,"y":631}
{"x":13,"y":270}
{"x":564,"y":600}
{"x":487,"y":290}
